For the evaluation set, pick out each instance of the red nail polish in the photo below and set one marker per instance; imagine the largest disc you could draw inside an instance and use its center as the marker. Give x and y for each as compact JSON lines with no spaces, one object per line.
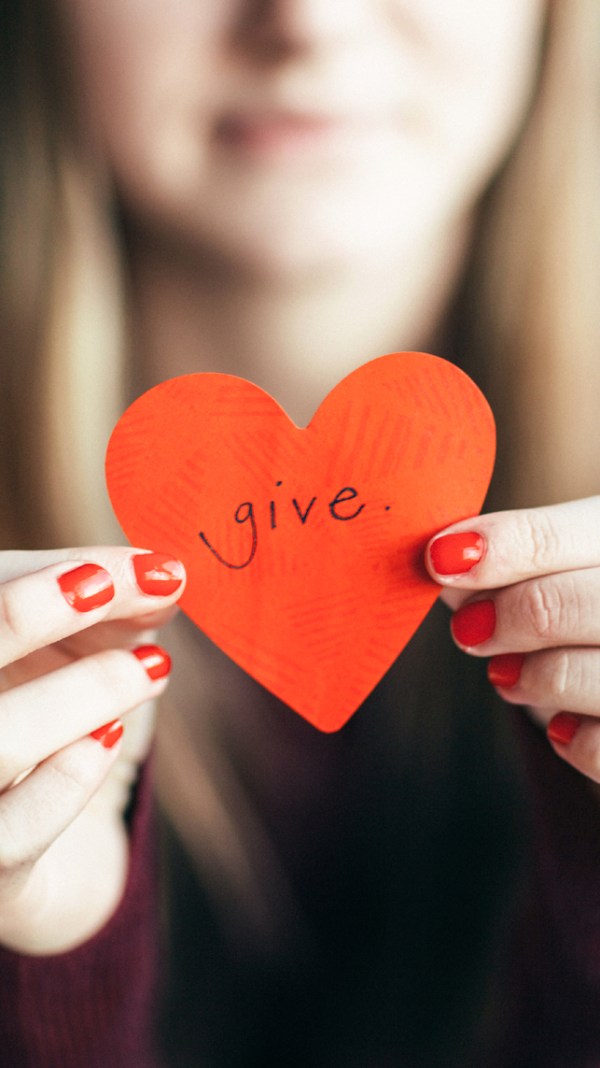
{"x":455,"y":554}
{"x":109,"y":734}
{"x":474,"y":623}
{"x":86,"y":587}
{"x":563,"y":728}
{"x":155,"y":660}
{"x":505,"y":670}
{"x":157,"y":574}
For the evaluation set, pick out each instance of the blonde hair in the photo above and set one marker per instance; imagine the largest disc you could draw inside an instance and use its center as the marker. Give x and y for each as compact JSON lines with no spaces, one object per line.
{"x":532,"y":315}
{"x":536,"y":312}
{"x":61,"y":325}
{"x":529,"y":322}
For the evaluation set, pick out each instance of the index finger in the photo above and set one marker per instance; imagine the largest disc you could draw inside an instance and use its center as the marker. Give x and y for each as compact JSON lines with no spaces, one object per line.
{"x":499,"y":549}
{"x":53,"y":602}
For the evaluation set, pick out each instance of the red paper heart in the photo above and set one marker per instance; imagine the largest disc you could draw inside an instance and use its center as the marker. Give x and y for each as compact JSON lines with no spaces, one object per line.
{"x":304,"y":547}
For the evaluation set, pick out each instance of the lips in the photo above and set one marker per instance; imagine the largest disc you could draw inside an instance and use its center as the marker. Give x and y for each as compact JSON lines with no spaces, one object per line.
{"x":271,"y":130}
{"x":281,"y":133}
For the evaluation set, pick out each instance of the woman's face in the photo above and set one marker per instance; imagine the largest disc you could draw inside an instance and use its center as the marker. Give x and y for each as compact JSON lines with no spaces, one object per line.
{"x":286,"y":135}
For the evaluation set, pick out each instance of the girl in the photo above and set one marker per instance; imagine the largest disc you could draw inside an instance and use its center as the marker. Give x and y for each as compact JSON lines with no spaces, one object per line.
{"x":283,"y":190}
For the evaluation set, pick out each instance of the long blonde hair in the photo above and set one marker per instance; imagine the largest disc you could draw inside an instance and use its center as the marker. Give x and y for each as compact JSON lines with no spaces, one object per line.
{"x":529,"y":315}
{"x":534,"y":300}
{"x":530,"y":311}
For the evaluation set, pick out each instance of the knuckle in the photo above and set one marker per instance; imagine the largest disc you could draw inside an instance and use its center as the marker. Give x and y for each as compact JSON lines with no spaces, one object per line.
{"x":11,"y":768}
{"x":537,"y":534}
{"x":113,"y":678}
{"x":100,"y":675}
{"x":70,"y":781}
{"x":12,"y":852}
{"x":557,"y":678}
{"x":544,"y":609}
{"x":13,"y":624}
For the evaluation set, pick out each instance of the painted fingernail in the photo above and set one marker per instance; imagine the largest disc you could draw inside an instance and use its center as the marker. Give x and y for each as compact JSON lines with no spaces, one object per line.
{"x":109,"y":734}
{"x":474,"y":623}
{"x":86,"y":587}
{"x":156,"y":661}
{"x":455,"y":554}
{"x":563,"y":727}
{"x":158,"y":574}
{"x":505,"y":670}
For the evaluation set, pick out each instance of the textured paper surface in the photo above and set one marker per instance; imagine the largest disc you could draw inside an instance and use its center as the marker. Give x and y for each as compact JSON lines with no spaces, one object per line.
{"x":304,"y":546}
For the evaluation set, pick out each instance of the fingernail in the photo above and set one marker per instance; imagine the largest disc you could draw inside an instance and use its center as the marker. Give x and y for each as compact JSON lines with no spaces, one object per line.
{"x":156,"y":661}
{"x":474,"y":623}
{"x":455,"y":554}
{"x":109,"y":734}
{"x":563,"y":728}
{"x":86,"y":587}
{"x":157,"y":574}
{"x":505,"y":670}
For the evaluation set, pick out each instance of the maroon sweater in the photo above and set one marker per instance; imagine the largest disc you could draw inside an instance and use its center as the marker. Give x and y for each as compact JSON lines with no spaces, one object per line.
{"x":386,"y":961}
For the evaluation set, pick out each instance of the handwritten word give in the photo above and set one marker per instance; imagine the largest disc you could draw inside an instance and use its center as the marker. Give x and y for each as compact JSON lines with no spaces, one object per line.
{"x":245,"y":513}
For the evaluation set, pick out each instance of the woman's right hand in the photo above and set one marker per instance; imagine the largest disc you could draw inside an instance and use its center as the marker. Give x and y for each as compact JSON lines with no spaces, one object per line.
{"x":76,"y":654}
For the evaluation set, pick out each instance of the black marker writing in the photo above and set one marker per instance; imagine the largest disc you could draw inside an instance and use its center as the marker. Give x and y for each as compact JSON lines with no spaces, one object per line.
{"x":303,"y":516}
{"x":245,"y":513}
{"x":348,"y":493}
{"x":238,"y":518}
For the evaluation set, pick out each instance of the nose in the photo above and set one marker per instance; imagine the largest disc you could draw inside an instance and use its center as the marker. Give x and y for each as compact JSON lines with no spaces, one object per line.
{"x":275,"y":29}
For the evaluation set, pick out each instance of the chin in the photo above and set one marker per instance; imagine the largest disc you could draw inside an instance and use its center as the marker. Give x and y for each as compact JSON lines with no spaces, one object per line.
{"x":288,"y":249}
{"x":287,"y":231}
{"x":283,"y":259}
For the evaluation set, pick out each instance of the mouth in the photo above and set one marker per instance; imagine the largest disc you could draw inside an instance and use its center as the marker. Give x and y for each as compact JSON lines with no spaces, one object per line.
{"x":286,"y":134}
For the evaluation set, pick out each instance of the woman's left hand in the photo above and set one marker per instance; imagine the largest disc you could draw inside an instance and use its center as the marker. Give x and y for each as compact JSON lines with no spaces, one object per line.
{"x":525,"y":590}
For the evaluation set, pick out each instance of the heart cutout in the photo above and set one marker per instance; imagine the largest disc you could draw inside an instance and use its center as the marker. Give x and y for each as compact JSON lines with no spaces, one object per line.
{"x":304,"y":546}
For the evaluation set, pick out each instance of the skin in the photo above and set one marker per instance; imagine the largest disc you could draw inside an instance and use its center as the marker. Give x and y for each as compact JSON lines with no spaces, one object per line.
{"x":63,"y":845}
{"x":540,"y":568}
{"x":271,"y":234}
